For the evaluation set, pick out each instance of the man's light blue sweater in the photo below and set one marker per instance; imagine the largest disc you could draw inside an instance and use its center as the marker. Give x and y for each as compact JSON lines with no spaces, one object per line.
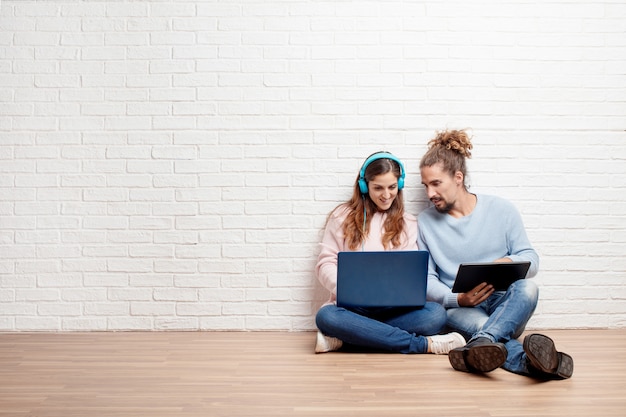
{"x":493,"y":230}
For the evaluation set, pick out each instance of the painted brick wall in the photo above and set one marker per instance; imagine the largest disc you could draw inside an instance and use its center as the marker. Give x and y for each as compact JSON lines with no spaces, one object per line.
{"x":169,"y":164}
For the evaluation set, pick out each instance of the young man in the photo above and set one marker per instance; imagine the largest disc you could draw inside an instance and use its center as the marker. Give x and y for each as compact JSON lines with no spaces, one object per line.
{"x":465,"y":227}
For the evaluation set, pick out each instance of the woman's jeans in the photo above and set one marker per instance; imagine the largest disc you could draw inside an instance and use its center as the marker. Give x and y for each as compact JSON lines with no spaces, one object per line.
{"x":390,"y":329}
{"x":501,"y":318}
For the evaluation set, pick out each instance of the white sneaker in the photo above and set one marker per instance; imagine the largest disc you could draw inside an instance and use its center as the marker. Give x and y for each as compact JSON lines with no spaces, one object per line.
{"x":326,"y":343}
{"x":441,"y":344}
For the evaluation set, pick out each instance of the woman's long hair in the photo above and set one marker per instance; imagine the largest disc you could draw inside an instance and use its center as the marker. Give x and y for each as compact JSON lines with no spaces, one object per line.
{"x":361,"y":208}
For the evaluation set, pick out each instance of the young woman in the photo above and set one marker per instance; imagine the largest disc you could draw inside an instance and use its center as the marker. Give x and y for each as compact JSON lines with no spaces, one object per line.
{"x":374,"y":220}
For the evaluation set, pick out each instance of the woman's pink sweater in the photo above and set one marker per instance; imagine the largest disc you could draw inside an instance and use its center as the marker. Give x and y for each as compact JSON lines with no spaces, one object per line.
{"x":334,"y":242}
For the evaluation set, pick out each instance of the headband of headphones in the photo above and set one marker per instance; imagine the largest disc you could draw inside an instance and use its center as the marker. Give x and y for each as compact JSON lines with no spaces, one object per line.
{"x":376,"y":156}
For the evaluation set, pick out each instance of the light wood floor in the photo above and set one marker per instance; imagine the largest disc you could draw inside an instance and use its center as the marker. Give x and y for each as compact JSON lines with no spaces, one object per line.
{"x":277,"y":374}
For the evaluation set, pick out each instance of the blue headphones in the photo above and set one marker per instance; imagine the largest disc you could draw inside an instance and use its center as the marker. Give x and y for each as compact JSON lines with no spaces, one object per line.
{"x":376,"y":156}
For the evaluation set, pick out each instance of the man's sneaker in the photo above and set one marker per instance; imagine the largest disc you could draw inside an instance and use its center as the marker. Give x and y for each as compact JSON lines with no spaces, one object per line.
{"x":543,"y":357}
{"x":326,"y":343}
{"x":444,"y":343}
{"x":479,"y":355}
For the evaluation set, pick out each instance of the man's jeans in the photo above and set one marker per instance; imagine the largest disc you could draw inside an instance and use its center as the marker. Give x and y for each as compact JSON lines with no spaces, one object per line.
{"x":389,"y":329}
{"x":501,"y":318}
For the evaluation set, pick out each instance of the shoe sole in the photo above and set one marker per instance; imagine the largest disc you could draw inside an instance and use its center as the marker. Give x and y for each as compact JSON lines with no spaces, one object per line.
{"x":482,"y":358}
{"x":542,"y":354}
{"x":457,"y":359}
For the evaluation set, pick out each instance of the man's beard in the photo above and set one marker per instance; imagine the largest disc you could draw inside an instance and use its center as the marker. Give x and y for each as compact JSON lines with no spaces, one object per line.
{"x":445,"y":209}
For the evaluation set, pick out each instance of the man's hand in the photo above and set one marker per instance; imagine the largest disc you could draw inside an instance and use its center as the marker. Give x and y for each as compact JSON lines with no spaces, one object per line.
{"x":506,"y":259}
{"x":476,"y":296}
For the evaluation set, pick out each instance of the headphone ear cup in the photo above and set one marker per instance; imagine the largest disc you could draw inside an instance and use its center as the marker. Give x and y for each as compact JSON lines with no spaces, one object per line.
{"x":379,"y":155}
{"x":363,"y":185}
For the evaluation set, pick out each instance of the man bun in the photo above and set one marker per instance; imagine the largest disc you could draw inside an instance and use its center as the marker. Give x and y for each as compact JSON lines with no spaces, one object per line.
{"x":455,"y":140}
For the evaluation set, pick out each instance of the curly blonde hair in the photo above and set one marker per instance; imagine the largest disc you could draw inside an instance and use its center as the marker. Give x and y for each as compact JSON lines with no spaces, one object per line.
{"x":451,"y":148}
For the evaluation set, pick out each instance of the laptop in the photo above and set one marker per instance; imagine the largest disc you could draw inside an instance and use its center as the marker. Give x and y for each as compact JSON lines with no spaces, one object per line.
{"x":382,"y":279}
{"x":498,"y":274}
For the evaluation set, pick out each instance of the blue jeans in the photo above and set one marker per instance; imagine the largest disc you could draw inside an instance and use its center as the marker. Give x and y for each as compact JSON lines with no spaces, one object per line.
{"x":389,"y":329}
{"x":501,"y":318}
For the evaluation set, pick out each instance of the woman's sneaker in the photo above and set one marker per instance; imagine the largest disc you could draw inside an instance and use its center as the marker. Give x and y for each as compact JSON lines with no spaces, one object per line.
{"x":326,"y":343}
{"x":444,"y":343}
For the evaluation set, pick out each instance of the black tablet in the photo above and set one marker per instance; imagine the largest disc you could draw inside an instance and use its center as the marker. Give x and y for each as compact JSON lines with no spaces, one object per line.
{"x":498,"y":274}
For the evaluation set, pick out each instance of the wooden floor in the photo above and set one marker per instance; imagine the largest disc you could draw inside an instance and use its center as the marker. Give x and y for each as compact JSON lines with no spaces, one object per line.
{"x":277,"y":374}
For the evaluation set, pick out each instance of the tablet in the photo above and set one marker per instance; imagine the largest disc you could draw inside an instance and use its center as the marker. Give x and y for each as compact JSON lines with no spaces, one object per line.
{"x":498,"y":274}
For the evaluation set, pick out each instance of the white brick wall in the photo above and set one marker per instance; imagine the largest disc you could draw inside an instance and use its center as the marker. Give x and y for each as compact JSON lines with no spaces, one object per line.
{"x":169,"y":164}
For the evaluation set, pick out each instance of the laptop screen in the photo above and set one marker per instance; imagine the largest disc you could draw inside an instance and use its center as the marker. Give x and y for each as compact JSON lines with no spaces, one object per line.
{"x":382,"y":279}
